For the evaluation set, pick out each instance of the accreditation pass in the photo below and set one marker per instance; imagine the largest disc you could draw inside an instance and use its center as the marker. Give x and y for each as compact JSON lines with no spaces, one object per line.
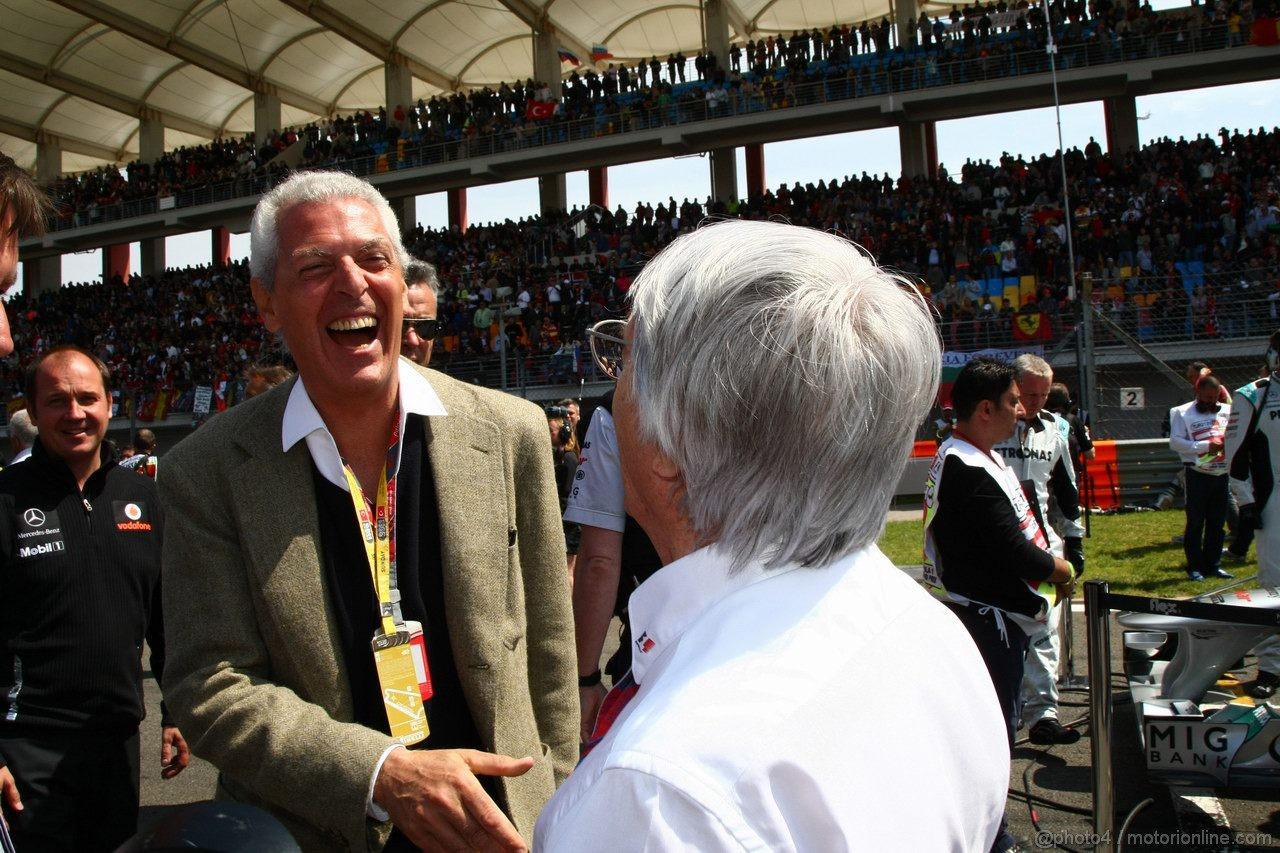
{"x":402,"y":675}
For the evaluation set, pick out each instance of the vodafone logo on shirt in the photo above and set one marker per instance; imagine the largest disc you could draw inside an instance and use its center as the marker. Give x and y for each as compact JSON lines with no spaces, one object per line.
{"x":130,"y":515}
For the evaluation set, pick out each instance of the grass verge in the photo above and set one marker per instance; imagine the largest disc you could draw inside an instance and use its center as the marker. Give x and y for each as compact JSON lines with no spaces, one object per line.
{"x":1134,"y":552}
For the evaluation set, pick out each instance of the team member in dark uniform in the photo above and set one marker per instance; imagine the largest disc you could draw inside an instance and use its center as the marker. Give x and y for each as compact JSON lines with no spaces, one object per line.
{"x":983,"y":544}
{"x":79,"y":591}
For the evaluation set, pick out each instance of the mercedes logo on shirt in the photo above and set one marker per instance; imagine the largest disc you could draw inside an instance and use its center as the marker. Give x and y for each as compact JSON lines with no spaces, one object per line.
{"x":33,"y":517}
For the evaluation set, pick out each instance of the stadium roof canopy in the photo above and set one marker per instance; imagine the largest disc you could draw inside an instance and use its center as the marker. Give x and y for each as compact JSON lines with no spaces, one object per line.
{"x":82,"y":72}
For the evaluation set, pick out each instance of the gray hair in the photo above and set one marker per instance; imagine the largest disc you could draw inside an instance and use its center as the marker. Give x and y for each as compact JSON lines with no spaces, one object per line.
{"x":422,"y":274}
{"x":310,"y":188}
{"x":784,"y":374}
{"x":1030,"y":364}
{"x":22,"y":429}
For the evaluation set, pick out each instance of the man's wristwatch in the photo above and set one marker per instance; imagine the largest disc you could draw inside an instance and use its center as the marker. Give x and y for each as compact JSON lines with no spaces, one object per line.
{"x":590,"y":680}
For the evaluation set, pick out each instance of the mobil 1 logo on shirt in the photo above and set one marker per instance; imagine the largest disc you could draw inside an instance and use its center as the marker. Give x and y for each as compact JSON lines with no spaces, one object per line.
{"x":39,"y":533}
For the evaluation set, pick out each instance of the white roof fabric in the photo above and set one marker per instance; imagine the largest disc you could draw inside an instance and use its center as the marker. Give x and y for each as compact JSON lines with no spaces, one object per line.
{"x":83,"y":72}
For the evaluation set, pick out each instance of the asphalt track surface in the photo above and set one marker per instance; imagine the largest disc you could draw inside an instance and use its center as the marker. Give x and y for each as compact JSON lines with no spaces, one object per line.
{"x":1058,"y":778}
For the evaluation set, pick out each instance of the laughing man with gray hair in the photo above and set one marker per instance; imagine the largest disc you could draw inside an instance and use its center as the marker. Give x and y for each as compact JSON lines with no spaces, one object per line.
{"x":752,"y":717}
{"x":294,"y":654}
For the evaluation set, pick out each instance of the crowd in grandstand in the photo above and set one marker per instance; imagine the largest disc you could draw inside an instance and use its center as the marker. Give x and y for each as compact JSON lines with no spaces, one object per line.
{"x":975,"y":42}
{"x":1180,"y":238}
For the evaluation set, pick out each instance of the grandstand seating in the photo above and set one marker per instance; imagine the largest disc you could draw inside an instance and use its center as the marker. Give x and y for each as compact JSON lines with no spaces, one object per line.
{"x":1182,"y":241}
{"x":486,"y":122}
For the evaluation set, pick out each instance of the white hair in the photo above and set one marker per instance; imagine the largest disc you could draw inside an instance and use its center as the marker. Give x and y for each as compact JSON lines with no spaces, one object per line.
{"x":310,"y":188}
{"x":22,"y":429}
{"x":784,"y":374}
{"x":1030,"y":364}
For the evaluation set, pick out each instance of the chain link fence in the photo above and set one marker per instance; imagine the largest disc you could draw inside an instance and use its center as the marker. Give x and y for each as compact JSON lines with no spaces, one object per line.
{"x":1148,"y":332}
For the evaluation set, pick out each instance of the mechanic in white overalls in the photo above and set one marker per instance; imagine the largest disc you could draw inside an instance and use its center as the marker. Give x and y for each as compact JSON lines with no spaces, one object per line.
{"x":1253,"y":460}
{"x":1039,"y":452}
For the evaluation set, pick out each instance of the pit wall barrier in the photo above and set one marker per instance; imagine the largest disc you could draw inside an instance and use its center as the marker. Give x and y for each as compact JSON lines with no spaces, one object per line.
{"x":1130,"y":472}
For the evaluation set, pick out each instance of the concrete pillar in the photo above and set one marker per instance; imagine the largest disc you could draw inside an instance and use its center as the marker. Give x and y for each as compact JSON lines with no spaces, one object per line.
{"x":221,"y":248}
{"x":46,"y":273}
{"x":399,"y":89}
{"x":115,"y":262}
{"x":905,"y":11}
{"x":716,"y":22}
{"x":546,"y":58}
{"x":266,"y":114}
{"x":918,"y":145}
{"x":458,"y":208}
{"x":151,"y":149}
{"x":552,"y":192}
{"x":48,"y":160}
{"x":150,"y":137}
{"x":598,"y":186}
{"x":153,"y":256}
{"x":724,"y":175}
{"x":406,"y":208}
{"x":553,"y":195}
{"x":41,"y":275}
{"x":755,"y":170}
{"x":1121,"y":115}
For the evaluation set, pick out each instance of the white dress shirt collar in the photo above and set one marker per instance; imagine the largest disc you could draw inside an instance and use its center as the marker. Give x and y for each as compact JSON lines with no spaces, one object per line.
{"x":678,"y":594}
{"x":303,"y":421}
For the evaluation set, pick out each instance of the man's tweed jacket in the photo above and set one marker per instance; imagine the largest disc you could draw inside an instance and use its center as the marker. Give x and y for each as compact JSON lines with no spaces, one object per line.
{"x":253,"y":676}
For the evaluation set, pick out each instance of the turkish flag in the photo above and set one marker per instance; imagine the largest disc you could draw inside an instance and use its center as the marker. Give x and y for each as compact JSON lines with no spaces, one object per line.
{"x":540,"y":109}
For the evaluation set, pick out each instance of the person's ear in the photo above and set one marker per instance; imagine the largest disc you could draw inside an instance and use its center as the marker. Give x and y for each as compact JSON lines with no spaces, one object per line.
{"x":665,"y":469}
{"x":262,"y":297}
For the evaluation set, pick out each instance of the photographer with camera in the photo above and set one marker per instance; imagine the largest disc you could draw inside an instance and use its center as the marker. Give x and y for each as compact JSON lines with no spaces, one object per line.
{"x":565,"y":452}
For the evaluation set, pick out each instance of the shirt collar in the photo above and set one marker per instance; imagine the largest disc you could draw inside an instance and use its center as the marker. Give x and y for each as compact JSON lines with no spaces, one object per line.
{"x":303,"y":422}
{"x":671,"y":600}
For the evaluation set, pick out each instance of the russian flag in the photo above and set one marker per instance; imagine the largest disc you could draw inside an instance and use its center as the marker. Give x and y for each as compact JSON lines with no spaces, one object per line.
{"x":599,"y":52}
{"x":567,"y":56}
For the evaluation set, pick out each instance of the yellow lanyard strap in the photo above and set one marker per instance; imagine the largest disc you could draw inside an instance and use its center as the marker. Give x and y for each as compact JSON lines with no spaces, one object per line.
{"x":375,"y":530}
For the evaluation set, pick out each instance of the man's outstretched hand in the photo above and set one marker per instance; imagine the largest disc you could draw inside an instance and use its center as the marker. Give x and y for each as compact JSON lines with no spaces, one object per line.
{"x":435,"y":799}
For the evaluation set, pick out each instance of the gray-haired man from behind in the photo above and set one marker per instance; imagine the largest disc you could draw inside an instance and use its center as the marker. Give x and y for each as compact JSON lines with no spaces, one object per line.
{"x":748,"y":719}
{"x":22,"y":434}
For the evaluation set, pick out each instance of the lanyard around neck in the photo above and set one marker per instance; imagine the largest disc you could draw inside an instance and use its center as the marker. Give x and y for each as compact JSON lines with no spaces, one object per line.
{"x":377,"y":532}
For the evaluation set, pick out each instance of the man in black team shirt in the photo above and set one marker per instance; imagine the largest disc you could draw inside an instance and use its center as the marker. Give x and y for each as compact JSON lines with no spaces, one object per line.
{"x":79,"y":591}
{"x":983,"y":544}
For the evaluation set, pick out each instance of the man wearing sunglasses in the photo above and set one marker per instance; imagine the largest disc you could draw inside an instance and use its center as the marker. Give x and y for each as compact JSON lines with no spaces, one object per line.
{"x":420,"y":324}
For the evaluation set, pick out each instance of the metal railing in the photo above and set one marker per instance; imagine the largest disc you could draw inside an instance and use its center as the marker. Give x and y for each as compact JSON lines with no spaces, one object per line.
{"x":861,"y":76}
{"x":1146,"y":315}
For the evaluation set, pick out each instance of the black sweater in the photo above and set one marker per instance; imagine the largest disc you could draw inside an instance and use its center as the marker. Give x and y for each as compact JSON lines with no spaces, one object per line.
{"x":79,"y":591}
{"x":984,"y":555}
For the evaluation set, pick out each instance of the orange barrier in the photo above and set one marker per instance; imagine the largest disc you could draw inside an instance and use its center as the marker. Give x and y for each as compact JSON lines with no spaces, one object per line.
{"x":1121,"y":473}
{"x":1101,"y":488}
{"x":924,"y":449}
